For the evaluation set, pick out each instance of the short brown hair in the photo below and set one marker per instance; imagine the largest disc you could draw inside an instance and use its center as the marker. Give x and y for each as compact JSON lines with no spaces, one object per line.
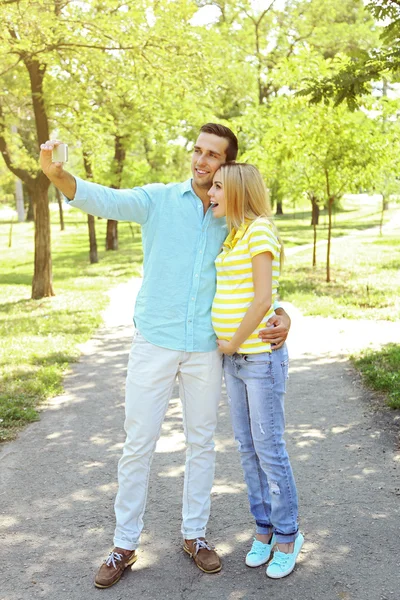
{"x":224,"y":132}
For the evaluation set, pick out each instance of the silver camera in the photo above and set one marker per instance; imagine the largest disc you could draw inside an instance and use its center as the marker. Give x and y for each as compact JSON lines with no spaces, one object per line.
{"x":60,"y":153}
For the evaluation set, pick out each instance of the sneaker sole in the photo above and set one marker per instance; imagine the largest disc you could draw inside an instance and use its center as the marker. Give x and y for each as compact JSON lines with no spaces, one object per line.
{"x":128,"y":564}
{"x":260,"y":564}
{"x":286,"y":573}
{"x":217,"y":570}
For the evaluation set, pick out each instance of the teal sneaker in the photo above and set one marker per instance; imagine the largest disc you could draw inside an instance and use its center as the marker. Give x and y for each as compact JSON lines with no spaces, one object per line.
{"x":282,"y":564}
{"x":260,"y":553}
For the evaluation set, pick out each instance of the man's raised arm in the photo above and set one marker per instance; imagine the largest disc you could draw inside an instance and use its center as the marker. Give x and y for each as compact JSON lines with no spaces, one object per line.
{"x":94,"y":199}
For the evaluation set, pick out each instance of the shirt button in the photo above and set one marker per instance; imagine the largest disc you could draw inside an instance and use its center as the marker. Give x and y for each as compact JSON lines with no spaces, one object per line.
{"x":193,"y":298}
{"x":196,"y":275}
{"x":201,"y":251}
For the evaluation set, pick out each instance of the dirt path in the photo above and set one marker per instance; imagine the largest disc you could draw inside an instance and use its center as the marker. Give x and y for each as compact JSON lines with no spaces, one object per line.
{"x":58,"y":482}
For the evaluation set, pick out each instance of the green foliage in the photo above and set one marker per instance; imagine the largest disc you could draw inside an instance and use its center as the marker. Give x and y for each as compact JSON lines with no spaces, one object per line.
{"x":355,"y":74}
{"x":380,"y":370}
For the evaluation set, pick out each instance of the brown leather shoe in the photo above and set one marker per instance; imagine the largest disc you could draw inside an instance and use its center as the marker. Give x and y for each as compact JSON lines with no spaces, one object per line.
{"x":203,"y":555}
{"x":112,"y":568}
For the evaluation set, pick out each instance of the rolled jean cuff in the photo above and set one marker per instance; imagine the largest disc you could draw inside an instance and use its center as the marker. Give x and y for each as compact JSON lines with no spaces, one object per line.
{"x":125,"y":545}
{"x":193,"y":535}
{"x":282,"y":538}
{"x":263,"y":529}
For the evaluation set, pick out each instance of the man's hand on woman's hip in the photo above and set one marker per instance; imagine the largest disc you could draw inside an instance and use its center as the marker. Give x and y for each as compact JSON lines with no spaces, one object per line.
{"x":277,"y":329}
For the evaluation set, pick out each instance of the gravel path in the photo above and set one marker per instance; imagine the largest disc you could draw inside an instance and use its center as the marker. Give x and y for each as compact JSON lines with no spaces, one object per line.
{"x":58,"y":482}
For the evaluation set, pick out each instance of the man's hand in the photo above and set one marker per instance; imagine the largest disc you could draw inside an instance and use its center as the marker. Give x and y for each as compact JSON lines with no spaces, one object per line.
{"x":63,"y":180}
{"x":52,"y":170}
{"x":226,"y":347}
{"x":277,"y":329}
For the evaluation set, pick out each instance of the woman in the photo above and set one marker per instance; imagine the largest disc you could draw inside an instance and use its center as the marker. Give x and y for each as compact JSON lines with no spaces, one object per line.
{"x":247,"y":282}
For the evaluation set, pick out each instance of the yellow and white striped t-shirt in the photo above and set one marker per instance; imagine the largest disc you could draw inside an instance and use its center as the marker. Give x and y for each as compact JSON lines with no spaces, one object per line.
{"x":235,"y":289}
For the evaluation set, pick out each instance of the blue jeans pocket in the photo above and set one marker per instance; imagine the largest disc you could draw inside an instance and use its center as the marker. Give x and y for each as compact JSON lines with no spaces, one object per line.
{"x":257,"y":359}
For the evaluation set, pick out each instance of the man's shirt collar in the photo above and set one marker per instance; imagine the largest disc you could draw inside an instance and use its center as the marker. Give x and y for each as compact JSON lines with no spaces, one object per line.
{"x":186,"y":186}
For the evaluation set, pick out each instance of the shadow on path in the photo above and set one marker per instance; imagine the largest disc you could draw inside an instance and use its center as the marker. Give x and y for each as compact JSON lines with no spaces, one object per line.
{"x":58,"y":483}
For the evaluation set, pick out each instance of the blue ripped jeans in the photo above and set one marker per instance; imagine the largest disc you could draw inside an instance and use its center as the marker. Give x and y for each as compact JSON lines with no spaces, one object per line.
{"x":256,"y":385}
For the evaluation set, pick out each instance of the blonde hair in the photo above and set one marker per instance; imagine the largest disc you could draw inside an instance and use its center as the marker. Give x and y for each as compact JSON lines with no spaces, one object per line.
{"x":246,"y":196}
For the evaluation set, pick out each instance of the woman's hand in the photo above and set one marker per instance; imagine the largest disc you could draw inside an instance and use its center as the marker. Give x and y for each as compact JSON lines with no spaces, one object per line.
{"x":226,"y":347}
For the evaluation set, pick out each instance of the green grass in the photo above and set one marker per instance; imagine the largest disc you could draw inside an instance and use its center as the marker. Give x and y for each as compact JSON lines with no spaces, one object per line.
{"x":355,"y":216}
{"x":41,"y":337}
{"x":380,"y":369}
{"x":365,"y":279}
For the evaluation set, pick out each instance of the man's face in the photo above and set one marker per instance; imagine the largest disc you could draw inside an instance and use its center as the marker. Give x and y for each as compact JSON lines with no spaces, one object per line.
{"x":209,"y":153}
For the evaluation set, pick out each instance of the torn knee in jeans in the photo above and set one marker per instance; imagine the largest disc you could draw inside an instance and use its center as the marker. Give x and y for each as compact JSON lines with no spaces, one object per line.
{"x":274,"y":487}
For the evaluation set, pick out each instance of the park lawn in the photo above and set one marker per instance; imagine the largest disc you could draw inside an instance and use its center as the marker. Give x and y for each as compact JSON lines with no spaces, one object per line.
{"x":365,"y":279}
{"x":41,"y":337}
{"x":380,"y":369}
{"x":357,"y":214}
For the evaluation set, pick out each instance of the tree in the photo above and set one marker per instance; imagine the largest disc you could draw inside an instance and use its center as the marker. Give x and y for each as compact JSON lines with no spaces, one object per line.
{"x":43,"y":42}
{"x":356,"y":74}
{"x":34,"y":35}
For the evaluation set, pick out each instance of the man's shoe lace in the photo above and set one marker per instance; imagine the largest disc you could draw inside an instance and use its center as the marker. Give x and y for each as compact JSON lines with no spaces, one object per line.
{"x":200,"y":545}
{"x":113,"y":556}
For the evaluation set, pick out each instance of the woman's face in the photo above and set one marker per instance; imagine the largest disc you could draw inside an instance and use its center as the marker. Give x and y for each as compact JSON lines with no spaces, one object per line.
{"x":217,"y":196}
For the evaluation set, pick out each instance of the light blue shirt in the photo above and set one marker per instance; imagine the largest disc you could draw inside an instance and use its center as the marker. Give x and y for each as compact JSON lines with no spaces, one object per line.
{"x":180,"y":244}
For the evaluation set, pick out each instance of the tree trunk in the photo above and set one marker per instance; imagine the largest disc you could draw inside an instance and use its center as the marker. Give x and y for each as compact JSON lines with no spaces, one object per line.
{"x":30,"y":213}
{"x":328,"y":251}
{"x":314,"y":210}
{"x":93,"y":255}
{"x":112,"y":235}
{"x":60,"y":209}
{"x":118,"y":166}
{"x":10,"y":233}
{"x":330,"y":203}
{"x":314,"y":256}
{"x":384,"y":207}
{"x":42,"y":284}
{"x":279,"y":209}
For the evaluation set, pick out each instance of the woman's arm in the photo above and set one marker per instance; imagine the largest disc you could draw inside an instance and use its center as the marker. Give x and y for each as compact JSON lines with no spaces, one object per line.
{"x":262,"y":281}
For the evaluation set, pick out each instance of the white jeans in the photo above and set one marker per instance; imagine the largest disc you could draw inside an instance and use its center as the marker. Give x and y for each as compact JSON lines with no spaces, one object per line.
{"x":151,"y":375}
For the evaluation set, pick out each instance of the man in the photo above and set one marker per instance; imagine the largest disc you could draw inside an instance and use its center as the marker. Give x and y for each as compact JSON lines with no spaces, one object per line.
{"x":174,"y":337}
